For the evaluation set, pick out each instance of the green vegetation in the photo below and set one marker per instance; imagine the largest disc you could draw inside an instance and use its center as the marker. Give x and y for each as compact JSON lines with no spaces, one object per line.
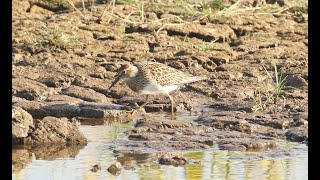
{"x":141,"y":10}
{"x":264,"y":94}
{"x":55,"y":38}
{"x":261,"y":101}
{"x":204,"y":46}
{"x":279,"y":82}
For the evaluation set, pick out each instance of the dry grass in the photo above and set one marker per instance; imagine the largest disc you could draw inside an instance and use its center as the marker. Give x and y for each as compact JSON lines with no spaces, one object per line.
{"x":54,"y":39}
{"x":191,"y":10}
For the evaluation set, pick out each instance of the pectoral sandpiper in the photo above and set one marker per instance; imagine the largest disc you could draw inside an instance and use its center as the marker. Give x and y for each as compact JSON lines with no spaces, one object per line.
{"x":153,"y":78}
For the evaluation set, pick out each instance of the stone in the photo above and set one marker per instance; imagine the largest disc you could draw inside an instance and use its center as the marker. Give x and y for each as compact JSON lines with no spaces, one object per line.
{"x":115,"y":168}
{"x":22,"y":122}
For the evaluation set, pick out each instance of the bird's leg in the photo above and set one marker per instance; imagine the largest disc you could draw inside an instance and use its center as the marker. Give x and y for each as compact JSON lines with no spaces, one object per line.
{"x":145,"y":103}
{"x":133,"y":111}
{"x":172,"y":106}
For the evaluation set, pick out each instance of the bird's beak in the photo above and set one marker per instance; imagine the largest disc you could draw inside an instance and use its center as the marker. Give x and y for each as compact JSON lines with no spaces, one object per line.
{"x":118,"y":77}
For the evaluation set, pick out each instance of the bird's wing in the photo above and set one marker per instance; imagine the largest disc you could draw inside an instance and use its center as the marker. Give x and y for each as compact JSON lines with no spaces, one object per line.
{"x":165,"y":75}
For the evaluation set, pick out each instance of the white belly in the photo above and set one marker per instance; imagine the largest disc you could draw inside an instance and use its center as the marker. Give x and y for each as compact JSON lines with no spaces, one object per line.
{"x":157,"y":89}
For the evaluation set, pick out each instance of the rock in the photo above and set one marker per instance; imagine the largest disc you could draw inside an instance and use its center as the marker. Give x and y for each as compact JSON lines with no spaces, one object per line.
{"x":51,"y":130}
{"x":115,"y":168}
{"x":175,"y":161}
{"x":31,"y":90}
{"x":22,"y":122}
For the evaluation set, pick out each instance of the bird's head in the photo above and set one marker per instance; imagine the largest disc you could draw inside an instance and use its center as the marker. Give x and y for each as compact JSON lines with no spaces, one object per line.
{"x":125,"y":72}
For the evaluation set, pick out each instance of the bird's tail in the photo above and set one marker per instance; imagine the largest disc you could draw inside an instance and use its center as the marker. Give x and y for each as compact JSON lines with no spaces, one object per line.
{"x":200,"y":78}
{"x":196,"y":78}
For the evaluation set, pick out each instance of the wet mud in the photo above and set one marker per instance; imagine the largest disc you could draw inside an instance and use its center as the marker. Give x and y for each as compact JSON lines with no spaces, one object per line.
{"x":62,"y":66}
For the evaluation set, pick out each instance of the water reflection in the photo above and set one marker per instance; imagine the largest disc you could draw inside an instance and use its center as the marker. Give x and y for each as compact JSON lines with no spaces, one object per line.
{"x":22,"y":155}
{"x":76,"y":162}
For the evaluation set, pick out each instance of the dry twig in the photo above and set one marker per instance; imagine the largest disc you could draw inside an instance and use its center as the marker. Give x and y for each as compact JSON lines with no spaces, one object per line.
{"x":72,"y":4}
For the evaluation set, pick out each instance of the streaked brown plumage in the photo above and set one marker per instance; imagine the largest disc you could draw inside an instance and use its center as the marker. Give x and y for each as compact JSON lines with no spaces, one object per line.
{"x":153,"y":78}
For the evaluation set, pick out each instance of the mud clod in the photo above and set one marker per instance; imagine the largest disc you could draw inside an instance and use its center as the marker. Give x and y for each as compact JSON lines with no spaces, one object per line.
{"x":85,"y":94}
{"x":235,"y":144}
{"x":31,"y":90}
{"x":297,"y":134}
{"x":22,"y":123}
{"x":51,"y":130}
{"x":175,"y":161}
{"x":95,"y":168}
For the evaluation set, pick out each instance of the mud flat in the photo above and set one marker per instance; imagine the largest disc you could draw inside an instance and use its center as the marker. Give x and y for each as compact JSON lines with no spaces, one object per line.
{"x":256,"y":63}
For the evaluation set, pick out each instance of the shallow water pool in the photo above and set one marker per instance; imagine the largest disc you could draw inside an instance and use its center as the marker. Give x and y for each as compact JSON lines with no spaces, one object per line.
{"x":288,"y":161}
